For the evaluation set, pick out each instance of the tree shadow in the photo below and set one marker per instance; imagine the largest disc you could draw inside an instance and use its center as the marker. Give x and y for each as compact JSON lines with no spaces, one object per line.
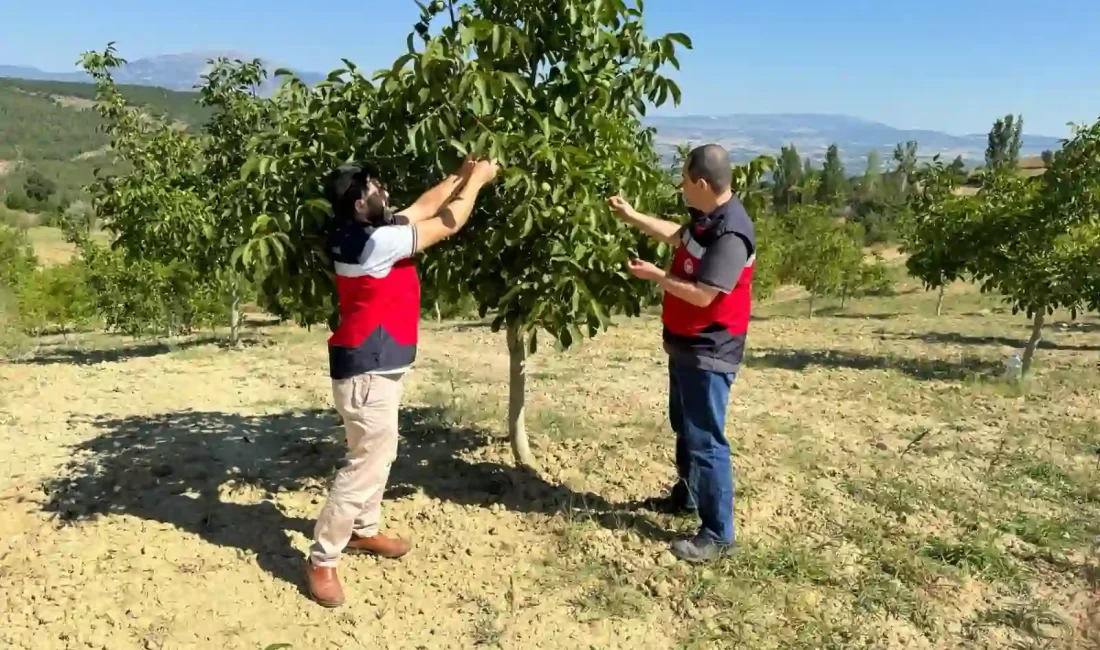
{"x":76,"y":356}
{"x":965,"y":339}
{"x":180,"y":469}
{"x":1080,"y":326}
{"x":470,"y":325}
{"x":923,"y":369}
{"x":837,"y":312}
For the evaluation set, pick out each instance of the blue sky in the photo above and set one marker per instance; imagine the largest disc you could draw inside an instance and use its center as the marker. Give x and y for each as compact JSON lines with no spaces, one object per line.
{"x":953,"y":65}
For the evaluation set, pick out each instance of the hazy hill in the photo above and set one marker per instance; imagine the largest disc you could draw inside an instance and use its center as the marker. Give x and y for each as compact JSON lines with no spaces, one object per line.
{"x":749,"y":135}
{"x":171,"y":71}
{"x":46,"y":123}
{"x":50,"y":126}
{"x":746,"y":135}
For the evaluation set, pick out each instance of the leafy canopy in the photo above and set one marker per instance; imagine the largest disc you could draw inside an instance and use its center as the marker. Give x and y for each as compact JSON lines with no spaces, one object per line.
{"x":555,"y":90}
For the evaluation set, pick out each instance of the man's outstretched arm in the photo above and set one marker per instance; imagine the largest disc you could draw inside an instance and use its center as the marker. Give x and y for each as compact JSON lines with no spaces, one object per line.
{"x":450,"y":218}
{"x":430,"y":202}
{"x":659,"y":229}
{"x":719,"y":272}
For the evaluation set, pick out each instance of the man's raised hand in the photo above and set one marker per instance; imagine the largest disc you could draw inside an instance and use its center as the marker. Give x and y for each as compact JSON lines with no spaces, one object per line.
{"x":644,"y":270}
{"x":466,"y":169}
{"x":620,"y":206}
{"x":484,"y":171}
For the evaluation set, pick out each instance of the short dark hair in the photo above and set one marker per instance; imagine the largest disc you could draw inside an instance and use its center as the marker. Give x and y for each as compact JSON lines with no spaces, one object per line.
{"x":711,"y":163}
{"x":347,"y":184}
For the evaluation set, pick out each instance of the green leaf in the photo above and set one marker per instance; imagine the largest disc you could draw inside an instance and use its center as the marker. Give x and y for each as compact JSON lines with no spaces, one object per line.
{"x":459,"y":147}
{"x":674,"y":90}
{"x":528,"y":223}
{"x":517,"y":82}
{"x":249,"y":167}
{"x":599,"y":312}
{"x":479,"y":145}
{"x":261,"y":222}
{"x":682,"y":39}
{"x":559,"y":109}
{"x":400,"y":63}
{"x":482,"y":88}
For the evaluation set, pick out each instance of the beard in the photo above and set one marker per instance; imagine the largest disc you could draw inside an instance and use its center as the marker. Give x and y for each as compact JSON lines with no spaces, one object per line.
{"x":378,"y":213}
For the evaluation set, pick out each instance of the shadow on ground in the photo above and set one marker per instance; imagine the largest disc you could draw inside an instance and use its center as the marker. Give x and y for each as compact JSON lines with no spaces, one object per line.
{"x":965,"y":339}
{"x":471,"y":325}
{"x":920,"y":368}
{"x":837,"y":312}
{"x":172,"y":468}
{"x":78,"y":356}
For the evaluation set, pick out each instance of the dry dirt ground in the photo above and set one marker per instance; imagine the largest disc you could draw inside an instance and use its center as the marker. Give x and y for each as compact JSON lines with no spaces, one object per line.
{"x":893,"y":492}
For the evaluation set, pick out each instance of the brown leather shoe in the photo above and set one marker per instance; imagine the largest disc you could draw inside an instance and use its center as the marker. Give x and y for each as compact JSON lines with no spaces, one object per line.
{"x":324,"y":585}
{"x":380,"y":545}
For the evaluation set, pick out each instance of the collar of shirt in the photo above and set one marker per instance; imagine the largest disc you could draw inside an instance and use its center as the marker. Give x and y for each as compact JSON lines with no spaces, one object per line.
{"x":700,"y":221}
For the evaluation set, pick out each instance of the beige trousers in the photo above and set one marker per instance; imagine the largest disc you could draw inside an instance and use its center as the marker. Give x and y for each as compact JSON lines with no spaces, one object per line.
{"x":369,"y":406}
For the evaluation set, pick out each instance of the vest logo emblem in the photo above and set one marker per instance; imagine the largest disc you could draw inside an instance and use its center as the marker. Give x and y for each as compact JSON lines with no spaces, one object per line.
{"x":689,"y":267}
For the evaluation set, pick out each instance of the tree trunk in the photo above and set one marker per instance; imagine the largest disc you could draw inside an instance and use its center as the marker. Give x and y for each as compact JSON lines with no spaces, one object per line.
{"x":939,"y":301}
{"x":844,"y":297}
{"x":1036,"y":335}
{"x":517,"y":387}
{"x":234,"y":311}
{"x":811,"y":314}
{"x":438,"y":314}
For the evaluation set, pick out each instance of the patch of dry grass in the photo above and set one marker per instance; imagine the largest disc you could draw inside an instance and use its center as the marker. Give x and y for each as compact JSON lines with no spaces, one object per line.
{"x":50,"y":245}
{"x":892,"y":490}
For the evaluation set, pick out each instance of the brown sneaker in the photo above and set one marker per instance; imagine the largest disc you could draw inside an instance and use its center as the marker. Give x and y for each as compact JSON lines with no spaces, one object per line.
{"x":324,"y":585}
{"x":380,"y":545}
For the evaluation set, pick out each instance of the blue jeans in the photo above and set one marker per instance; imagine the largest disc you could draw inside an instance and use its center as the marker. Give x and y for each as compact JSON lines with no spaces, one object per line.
{"x":697,"y":402}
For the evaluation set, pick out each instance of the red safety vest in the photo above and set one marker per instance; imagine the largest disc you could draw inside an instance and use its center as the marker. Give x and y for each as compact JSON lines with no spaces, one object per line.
{"x":715,"y":332}
{"x":379,"y":317}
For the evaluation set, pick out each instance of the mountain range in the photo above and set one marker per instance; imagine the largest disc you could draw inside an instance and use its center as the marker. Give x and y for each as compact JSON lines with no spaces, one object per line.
{"x":172,"y":71}
{"x":744,"y":135}
{"x":748,"y":135}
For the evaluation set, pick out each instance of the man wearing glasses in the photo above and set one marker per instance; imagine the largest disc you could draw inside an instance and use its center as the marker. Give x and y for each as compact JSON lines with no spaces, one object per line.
{"x":707,"y":301}
{"x":375,"y":344}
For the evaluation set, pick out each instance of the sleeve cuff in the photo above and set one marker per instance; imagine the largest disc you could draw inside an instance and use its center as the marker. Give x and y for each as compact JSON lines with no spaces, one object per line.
{"x":712,"y":285}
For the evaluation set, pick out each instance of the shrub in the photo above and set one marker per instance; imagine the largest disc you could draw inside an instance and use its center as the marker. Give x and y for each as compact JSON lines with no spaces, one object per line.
{"x":56,"y":298}
{"x":17,"y":258}
{"x":17,"y":199}
{"x":38,"y":187}
{"x":141,"y":297}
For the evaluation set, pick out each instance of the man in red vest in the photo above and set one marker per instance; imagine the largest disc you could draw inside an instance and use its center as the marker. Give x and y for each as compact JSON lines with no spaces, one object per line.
{"x":375,"y":344}
{"x":707,"y":301}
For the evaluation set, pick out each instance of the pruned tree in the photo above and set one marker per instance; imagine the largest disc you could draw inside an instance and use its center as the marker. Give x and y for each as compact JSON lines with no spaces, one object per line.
{"x":527,"y":83}
{"x":786,"y":179}
{"x":556,"y":91}
{"x":939,"y":242}
{"x":1040,"y":237}
{"x":1006,"y":137}
{"x":833,"y":189}
{"x":231,"y":89}
{"x":822,"y":252}
{"x":157,"y":214}
{"x":905,"y":155}
{"x":1034,"y":241}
